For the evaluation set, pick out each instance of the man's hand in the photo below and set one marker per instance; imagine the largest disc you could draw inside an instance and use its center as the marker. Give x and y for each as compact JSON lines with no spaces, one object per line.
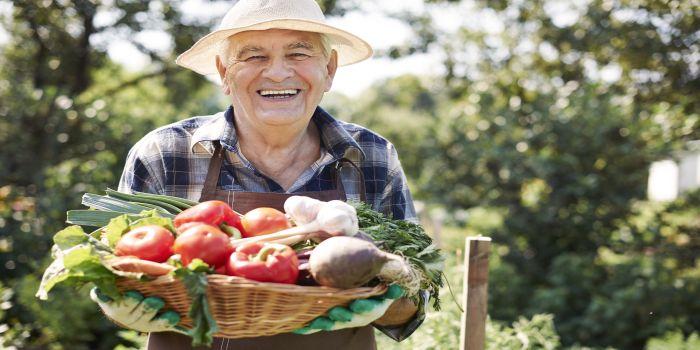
{"x":360,"y":312}
{"x":135,"y":312}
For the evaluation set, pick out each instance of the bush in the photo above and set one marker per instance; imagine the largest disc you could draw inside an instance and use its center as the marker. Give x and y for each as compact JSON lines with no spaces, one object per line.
{"x":674,"y":341}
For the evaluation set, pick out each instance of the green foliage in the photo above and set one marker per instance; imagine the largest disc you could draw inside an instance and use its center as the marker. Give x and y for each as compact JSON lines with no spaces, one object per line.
{"x":441,"y":329}
{"x":68,"y":115}
{"x":536,"y":333}
{"x":674,"y":340}
{"x":528,"y":126}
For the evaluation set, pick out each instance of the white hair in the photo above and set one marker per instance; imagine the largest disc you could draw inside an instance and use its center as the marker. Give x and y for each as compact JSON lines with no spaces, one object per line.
{"x":225,"y":47}
{"x":325,"y":45}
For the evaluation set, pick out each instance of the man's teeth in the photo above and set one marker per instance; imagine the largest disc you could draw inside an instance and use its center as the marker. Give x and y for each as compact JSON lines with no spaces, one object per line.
{"x":278,"y":92}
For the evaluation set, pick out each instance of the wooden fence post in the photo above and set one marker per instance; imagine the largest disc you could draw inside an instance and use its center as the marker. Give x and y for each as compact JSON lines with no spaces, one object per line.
{"x":475,"y":293}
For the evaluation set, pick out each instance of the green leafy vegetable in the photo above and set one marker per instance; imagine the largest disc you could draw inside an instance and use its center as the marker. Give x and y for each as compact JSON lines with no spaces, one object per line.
{"x":164,"y":205}
{"x":69,"y":237}
{"x":79,"y":258}
{"x":114,"y":204}
{"x":408,"y":240}
{"x":92,"y":218}
{"x":181,"y":203}
{"x":194,"y":277}
{"x":154,"y":220}
{"x":78,"y":265}
{"x":105,"y":203}
{"x":124,"y":223}
{"x":115,"y":229}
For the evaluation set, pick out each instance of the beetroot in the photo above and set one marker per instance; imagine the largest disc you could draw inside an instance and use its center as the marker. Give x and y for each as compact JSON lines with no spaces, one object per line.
{"x":346,"y":262}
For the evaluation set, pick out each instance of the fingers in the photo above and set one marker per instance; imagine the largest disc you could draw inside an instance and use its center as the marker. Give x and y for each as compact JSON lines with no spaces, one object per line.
{"x":166,"y":321}
{"x":340,"y":313}
{"x":363,"y":306}
{"x":360,"y":312}
{"x":149,"y":318}
{"x":169,"y":317}
{"x":97,"y":296}
{"x":136,"y":312}
{"x":394,"y":292}
{"x":305,"y":330}
{"x":148,"y":308}
{"x":322,"y":323}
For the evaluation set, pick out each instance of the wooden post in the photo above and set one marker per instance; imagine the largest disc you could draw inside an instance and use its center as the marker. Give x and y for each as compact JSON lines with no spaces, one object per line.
{"x":475,"y":293}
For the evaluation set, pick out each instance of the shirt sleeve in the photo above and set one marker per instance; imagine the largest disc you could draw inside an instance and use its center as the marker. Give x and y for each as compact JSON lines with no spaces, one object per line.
{"x":138,"y":174}
{"x":396,"y":198}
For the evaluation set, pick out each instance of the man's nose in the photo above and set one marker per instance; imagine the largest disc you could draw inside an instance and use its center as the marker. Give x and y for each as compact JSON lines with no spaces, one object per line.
{"x":277,"y":70}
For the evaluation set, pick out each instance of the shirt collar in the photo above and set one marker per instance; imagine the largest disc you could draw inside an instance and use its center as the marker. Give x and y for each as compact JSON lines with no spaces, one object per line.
{"x":334,"y":137}
{"x":222,"y":128}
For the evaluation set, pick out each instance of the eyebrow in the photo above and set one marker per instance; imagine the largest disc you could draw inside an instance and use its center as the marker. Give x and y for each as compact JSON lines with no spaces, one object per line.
{"x":301,"y":45}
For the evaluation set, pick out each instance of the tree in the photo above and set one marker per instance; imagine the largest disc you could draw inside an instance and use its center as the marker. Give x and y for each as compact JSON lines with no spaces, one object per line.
{"x":553,"y":124}
{"x":68,"y":115}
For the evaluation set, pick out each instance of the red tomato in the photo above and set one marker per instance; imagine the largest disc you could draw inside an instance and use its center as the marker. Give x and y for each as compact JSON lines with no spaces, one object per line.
{"x":262,"y":221}
{"x":150,"y":242}
{"x":204,"y":242}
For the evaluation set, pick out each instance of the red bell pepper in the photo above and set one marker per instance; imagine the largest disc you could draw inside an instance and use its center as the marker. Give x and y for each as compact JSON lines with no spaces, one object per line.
{"x":264,"y":262}
{"x":213,"y":213}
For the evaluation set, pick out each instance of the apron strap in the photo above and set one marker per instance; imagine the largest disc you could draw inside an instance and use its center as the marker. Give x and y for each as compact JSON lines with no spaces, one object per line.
{"x":213,"y":172}
{"x":339,"y":183}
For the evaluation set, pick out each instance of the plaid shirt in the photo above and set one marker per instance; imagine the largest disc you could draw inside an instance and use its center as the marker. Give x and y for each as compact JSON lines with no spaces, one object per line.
{"x":174,"y":160}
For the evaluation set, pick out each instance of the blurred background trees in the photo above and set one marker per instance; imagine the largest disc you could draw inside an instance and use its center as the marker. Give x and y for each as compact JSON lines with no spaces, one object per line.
{"x":539,"y":135}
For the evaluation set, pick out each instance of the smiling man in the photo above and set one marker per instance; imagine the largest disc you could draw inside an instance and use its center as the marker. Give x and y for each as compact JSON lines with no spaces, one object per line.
{"x":276,"y":79}
{"x":276,"y":59}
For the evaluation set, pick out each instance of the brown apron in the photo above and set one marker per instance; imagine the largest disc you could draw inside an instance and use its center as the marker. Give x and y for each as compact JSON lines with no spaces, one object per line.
{"x":361,"y":338}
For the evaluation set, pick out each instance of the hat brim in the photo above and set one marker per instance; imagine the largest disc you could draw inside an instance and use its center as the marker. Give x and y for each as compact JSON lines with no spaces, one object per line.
{"x":200,"y":57}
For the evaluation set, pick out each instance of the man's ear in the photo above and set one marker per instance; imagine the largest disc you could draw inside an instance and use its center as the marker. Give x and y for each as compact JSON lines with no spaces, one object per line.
{"x":222,"y":74}
{"x":331,"y":67}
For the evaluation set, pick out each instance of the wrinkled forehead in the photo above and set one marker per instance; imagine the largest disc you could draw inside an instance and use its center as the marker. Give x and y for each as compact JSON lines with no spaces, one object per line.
{"x":272,"y":38}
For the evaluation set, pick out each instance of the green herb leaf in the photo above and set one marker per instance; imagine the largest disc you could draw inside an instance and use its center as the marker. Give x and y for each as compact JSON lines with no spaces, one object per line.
{"x":408,"y":240}
{"x":194,"y":277}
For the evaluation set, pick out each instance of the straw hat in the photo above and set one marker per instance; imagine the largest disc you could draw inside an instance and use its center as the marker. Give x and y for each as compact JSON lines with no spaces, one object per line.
{"x":302,"y":15}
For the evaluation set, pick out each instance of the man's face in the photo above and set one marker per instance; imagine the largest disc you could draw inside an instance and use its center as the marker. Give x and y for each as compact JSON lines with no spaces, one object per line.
{"x":277,"y":77}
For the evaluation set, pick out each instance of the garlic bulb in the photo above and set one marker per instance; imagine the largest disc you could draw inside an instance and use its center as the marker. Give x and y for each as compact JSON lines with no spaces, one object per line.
{"x":301,"y":209}
{"x":337,"y":221}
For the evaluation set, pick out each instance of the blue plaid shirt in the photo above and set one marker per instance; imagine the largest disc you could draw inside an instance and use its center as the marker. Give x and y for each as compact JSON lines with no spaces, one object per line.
{"x":174,"y":160}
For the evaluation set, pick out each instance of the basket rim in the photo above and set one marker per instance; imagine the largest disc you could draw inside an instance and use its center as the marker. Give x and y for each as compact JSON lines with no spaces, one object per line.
{"x":217,"y":280}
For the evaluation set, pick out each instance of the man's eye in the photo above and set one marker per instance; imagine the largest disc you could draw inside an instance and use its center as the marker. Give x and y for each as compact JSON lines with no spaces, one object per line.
{"x":254,"y":58}
{"x":299,"y":56}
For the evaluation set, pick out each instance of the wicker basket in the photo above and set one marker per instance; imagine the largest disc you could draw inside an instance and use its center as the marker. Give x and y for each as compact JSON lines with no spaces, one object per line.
{"x":244,"y":308}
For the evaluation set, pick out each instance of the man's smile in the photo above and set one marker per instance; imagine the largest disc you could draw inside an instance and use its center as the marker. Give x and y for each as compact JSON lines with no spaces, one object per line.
{"x":279,"y":94}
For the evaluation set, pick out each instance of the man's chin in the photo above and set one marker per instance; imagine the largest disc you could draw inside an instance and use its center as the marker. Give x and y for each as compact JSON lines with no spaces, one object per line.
{"x":282,"y":118}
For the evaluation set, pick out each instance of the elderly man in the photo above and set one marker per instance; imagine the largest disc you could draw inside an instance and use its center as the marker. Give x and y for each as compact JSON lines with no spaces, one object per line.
{"x":276,"y":59}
